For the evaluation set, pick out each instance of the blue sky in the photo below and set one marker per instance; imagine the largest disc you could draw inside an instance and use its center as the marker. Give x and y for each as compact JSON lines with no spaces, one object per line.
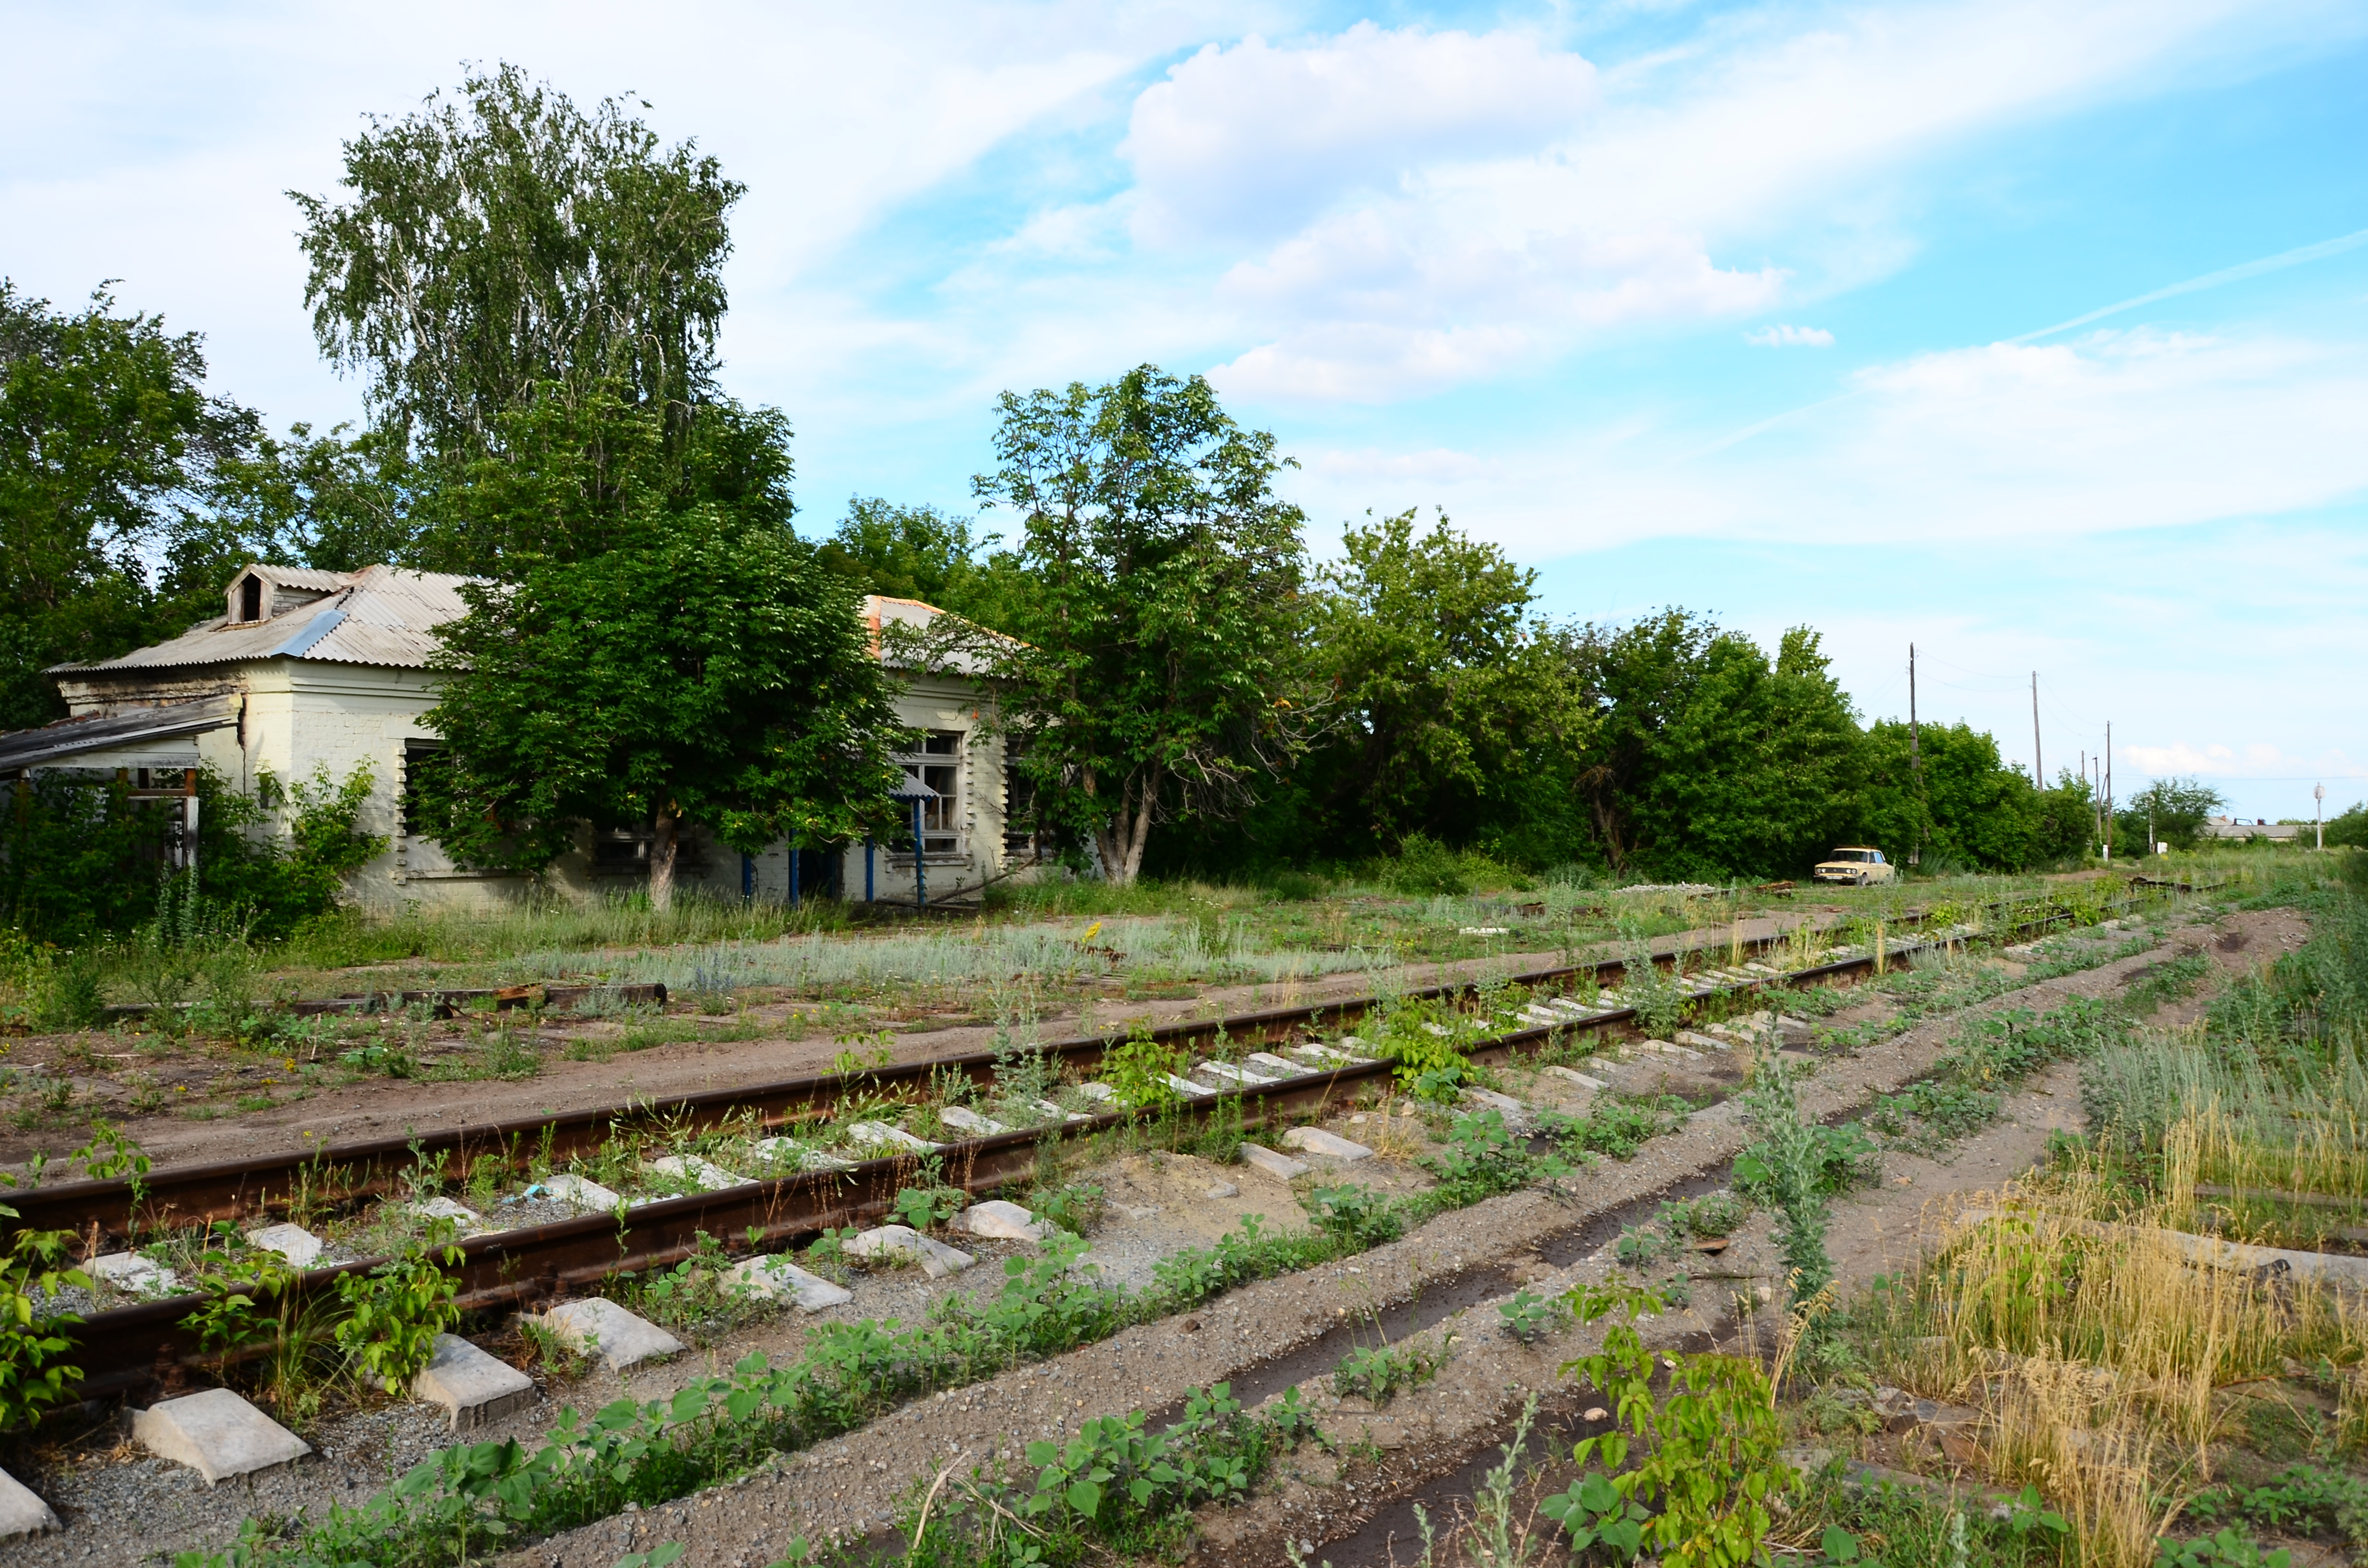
{"x":1744,"y":308}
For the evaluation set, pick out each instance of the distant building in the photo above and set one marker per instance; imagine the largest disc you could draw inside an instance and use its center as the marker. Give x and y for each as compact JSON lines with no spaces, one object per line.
{"x":307,"y":669}
{"x":2250,"y":827}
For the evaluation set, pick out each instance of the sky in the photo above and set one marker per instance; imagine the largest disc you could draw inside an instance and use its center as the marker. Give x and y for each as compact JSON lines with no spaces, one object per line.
{"x":2034,"y":334}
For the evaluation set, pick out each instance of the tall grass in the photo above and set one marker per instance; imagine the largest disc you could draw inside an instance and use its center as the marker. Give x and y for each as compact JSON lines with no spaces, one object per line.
{"x":615,"y":922}
{"x":2250,"y":1175}
{"x":2101,"y":1339}
{"x":983,"y":956}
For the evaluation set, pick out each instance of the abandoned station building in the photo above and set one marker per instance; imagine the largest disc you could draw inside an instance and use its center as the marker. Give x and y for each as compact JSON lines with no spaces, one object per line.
{"x":329,"y":669}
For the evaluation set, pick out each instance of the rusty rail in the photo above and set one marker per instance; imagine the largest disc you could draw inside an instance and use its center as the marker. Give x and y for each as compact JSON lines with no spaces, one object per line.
{"x":150,"y":1346}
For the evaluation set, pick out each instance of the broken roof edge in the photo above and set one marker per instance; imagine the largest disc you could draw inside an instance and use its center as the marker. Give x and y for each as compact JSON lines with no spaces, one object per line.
{"x":81,"y":733}
{"x":879,"y":614}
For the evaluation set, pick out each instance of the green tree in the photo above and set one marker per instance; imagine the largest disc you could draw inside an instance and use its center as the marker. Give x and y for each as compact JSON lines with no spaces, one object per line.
{"x":2173,"y":810}
{"x":336,"y":502}
{"x":920,"y":552}
{"x":1969,"y":808}
{"x":1156,"y":667}
{"x":508,"y":251}
{"x":2350,"y":826}
{"x":564,"y":477}
{"x":1708,"y":759}
{"x":109,"y":452}
{"x":1448,"y":699}
{"x":703,"y":671}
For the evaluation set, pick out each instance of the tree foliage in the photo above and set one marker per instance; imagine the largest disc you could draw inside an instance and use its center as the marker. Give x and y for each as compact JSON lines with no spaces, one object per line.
{"x":1154,"y":674}
{"x":1963,"y":806}
{"x":564,"y":477}
{"x":702,"y":672}
{"x":82,"y":859}
{"x":504,"y":242}
{"x":1448,"y":700}
{"x":110,"y":449}
{"x":1710,"y":759}
{"x":920,"y":552}
{"x":2172,"y":810}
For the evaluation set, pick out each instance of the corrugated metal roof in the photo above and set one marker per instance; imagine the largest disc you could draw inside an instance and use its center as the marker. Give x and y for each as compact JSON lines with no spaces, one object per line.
{"x":300,"y":578}
{"x":100,"y":731}
{"x":379,"y":615}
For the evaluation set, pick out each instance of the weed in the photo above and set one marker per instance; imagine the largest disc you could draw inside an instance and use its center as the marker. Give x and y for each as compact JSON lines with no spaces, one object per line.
{"x":1713,"y":1214}
{"x":1379,"y":1373}
{"x":1797,"y":1167}
{"x":1483,"y":1158}
{"x":393,"y":1314}
{"x":1137,"y":1070}
{"x":2304,"y":1500}
{"x":1708,"y":1469}
{"x":1073,"y":1208}
{"x":927,"y":1207}
{"x":1357,"y":1217}
{"x":1528,"y":1315}
{"x":33,"y":1374}
{"x":1638,"y":1247}
{"x":2224,"y":1549}
{"x":1616,"y":1125}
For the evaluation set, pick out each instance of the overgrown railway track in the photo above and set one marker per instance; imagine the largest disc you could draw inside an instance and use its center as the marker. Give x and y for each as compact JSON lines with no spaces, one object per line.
{"x":151,"y":1346}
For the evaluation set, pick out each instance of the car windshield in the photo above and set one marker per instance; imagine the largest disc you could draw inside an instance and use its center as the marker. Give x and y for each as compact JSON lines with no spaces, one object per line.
{"x":1850,"y":853}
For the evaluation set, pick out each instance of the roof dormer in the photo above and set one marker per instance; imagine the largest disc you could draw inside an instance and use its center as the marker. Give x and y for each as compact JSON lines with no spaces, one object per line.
{"x":262,"y":592}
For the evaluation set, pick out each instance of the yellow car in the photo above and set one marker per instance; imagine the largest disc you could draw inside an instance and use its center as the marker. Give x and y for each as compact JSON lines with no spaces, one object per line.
{"x":1857,"y":866}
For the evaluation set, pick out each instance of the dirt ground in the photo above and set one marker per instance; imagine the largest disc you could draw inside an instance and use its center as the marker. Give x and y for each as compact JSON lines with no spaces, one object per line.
{"x":385,"y":1108}
{"x":122,"y":1506}
{"x":850,"y":1488}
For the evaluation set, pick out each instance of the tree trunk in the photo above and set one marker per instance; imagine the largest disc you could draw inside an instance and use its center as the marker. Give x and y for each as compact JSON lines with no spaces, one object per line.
{"x":662,"y":849}
{"x":1122,"y":840}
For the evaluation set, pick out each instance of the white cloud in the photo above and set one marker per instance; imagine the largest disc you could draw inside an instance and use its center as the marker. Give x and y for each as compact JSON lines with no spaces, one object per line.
{"x":1783,"y":335}
{"x":2000,"y":446}
{"x":2257,"y":759}
{"x":1255,"y":140}
{"x":1450,"y":233}
{"x":158,"y":150}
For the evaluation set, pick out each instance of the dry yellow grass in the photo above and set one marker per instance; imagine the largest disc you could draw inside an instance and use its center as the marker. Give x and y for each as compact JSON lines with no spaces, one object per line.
{"x":2095,"y":1346}
{"x":2234,"y":1173}
{"x":2080,"y":1439}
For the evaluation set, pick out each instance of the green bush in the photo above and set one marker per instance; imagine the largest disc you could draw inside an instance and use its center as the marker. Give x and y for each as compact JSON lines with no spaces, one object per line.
{"x":83,"y":860}
{"x":33,"y":1372}
{"x":1708,"y":1476}
{"x":393,"y":1314}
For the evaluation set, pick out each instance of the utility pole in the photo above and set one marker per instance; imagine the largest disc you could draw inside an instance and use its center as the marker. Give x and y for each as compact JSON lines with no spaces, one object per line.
{"x":1915,"y":760}
{"x":2317,"y":815}
{"x":2109,"y":789}
{"x":2038,"y":773}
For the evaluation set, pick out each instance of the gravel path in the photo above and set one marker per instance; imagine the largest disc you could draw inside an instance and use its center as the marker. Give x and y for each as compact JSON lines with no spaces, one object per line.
{"x":851,"y":1487}
{"x":124,"y":1507}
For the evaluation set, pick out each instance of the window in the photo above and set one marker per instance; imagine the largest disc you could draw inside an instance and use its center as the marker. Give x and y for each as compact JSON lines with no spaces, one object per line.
{"x":938,"y":766}
{"x":250,"y":598}
{"x":623,"y":852}
{"x":419,"y":759}
{"x":1018,"y":807}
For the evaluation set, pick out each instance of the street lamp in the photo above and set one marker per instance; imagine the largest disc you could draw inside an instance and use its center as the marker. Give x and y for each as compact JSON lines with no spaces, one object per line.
{"x":915,"y":793}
